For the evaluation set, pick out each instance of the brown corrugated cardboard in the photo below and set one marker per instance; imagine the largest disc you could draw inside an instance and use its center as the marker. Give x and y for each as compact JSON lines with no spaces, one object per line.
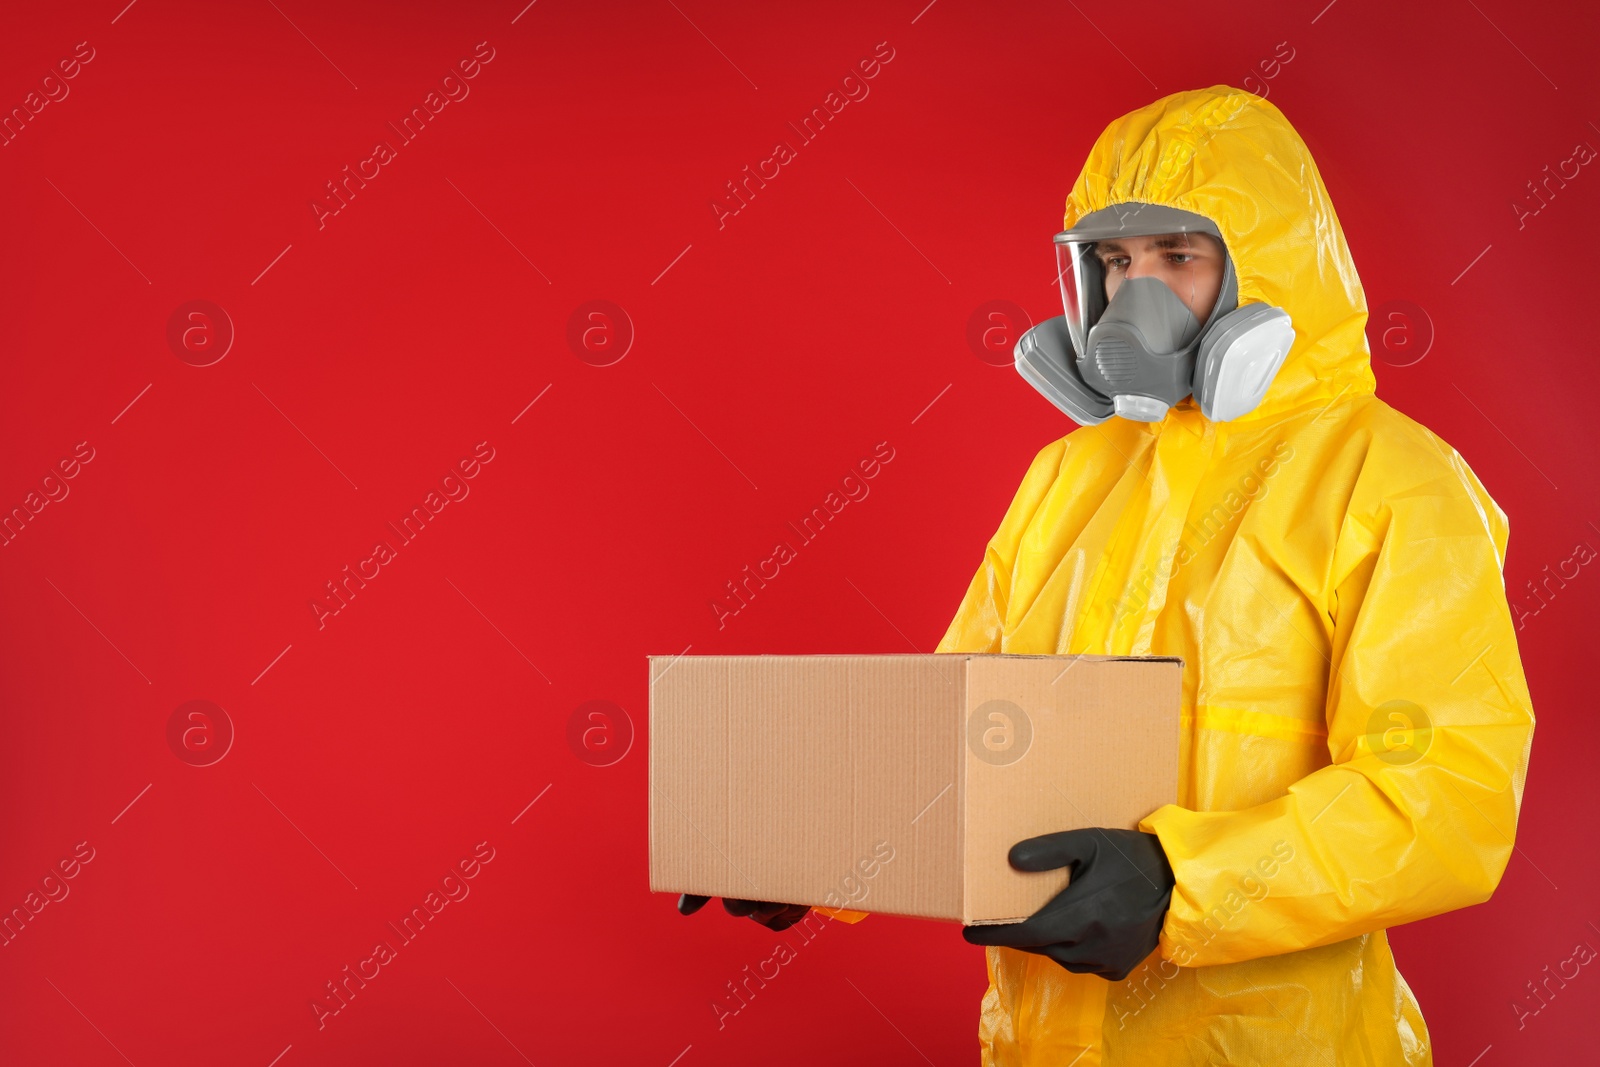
{"x":898,"y":783}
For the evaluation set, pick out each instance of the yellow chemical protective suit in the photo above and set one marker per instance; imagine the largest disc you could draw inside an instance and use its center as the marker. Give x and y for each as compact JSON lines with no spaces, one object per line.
{"x":1355,"y":723}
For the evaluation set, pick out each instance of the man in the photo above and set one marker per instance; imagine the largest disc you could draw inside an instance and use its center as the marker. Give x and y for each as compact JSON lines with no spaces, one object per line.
{"x":1355,"y":723}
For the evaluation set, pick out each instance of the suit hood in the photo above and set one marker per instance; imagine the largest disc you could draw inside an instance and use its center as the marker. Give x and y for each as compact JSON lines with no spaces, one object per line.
{"x":1232,"y":156}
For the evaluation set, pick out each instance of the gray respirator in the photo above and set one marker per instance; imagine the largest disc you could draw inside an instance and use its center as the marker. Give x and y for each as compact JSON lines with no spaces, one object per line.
{"x":1144,"y":351}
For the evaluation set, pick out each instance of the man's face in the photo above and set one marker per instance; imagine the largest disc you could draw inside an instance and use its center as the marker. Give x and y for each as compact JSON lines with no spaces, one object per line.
{"x":1189,"y":263}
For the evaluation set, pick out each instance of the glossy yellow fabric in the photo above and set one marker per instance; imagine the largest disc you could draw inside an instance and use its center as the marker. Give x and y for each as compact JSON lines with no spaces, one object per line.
{"x":1313,"y":562}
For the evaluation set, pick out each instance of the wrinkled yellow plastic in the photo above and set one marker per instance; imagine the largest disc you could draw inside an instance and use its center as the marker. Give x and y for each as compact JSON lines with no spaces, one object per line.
{"x":1323,"y":565}
{"x":848,"y":915}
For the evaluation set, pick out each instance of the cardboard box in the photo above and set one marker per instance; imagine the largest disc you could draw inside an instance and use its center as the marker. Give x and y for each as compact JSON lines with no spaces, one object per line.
{"x":898,"y":783}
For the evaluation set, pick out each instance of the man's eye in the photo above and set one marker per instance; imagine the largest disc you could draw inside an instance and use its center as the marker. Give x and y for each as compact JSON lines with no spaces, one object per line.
{"x":1116,"y":262}
{"x":1179,"y":258}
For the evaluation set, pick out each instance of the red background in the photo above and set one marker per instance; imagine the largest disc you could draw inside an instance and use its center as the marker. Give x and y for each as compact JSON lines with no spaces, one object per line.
{"x":774,"y":353}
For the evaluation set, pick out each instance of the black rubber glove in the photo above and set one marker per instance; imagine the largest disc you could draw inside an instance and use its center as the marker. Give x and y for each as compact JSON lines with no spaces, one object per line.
{"x":772,"y":915}
{"x":1109,"y":918}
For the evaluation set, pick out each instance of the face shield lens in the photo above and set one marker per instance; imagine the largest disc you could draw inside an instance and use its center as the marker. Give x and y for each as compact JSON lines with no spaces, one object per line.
{"x":1076,"y":291}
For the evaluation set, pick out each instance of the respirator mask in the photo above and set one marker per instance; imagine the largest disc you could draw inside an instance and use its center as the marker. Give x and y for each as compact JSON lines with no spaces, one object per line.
{"x":1143,"y":351}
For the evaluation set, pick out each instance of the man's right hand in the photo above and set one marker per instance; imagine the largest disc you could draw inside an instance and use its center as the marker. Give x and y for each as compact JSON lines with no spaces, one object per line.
{"x":772,"y":915}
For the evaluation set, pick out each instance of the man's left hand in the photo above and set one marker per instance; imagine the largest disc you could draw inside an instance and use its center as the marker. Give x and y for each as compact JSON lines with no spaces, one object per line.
{"x":1109,"y":918}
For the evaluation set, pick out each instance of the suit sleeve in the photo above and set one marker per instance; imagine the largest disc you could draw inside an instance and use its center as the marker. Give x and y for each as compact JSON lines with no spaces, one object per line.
{"x":1429,"y":725}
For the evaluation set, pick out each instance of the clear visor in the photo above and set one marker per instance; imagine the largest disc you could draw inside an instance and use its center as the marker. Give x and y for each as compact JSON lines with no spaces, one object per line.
{"x":1090,"y":272}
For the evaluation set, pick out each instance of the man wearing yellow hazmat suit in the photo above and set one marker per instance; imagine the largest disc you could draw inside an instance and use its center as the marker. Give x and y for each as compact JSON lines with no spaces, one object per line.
{"x":1355,"y":724}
